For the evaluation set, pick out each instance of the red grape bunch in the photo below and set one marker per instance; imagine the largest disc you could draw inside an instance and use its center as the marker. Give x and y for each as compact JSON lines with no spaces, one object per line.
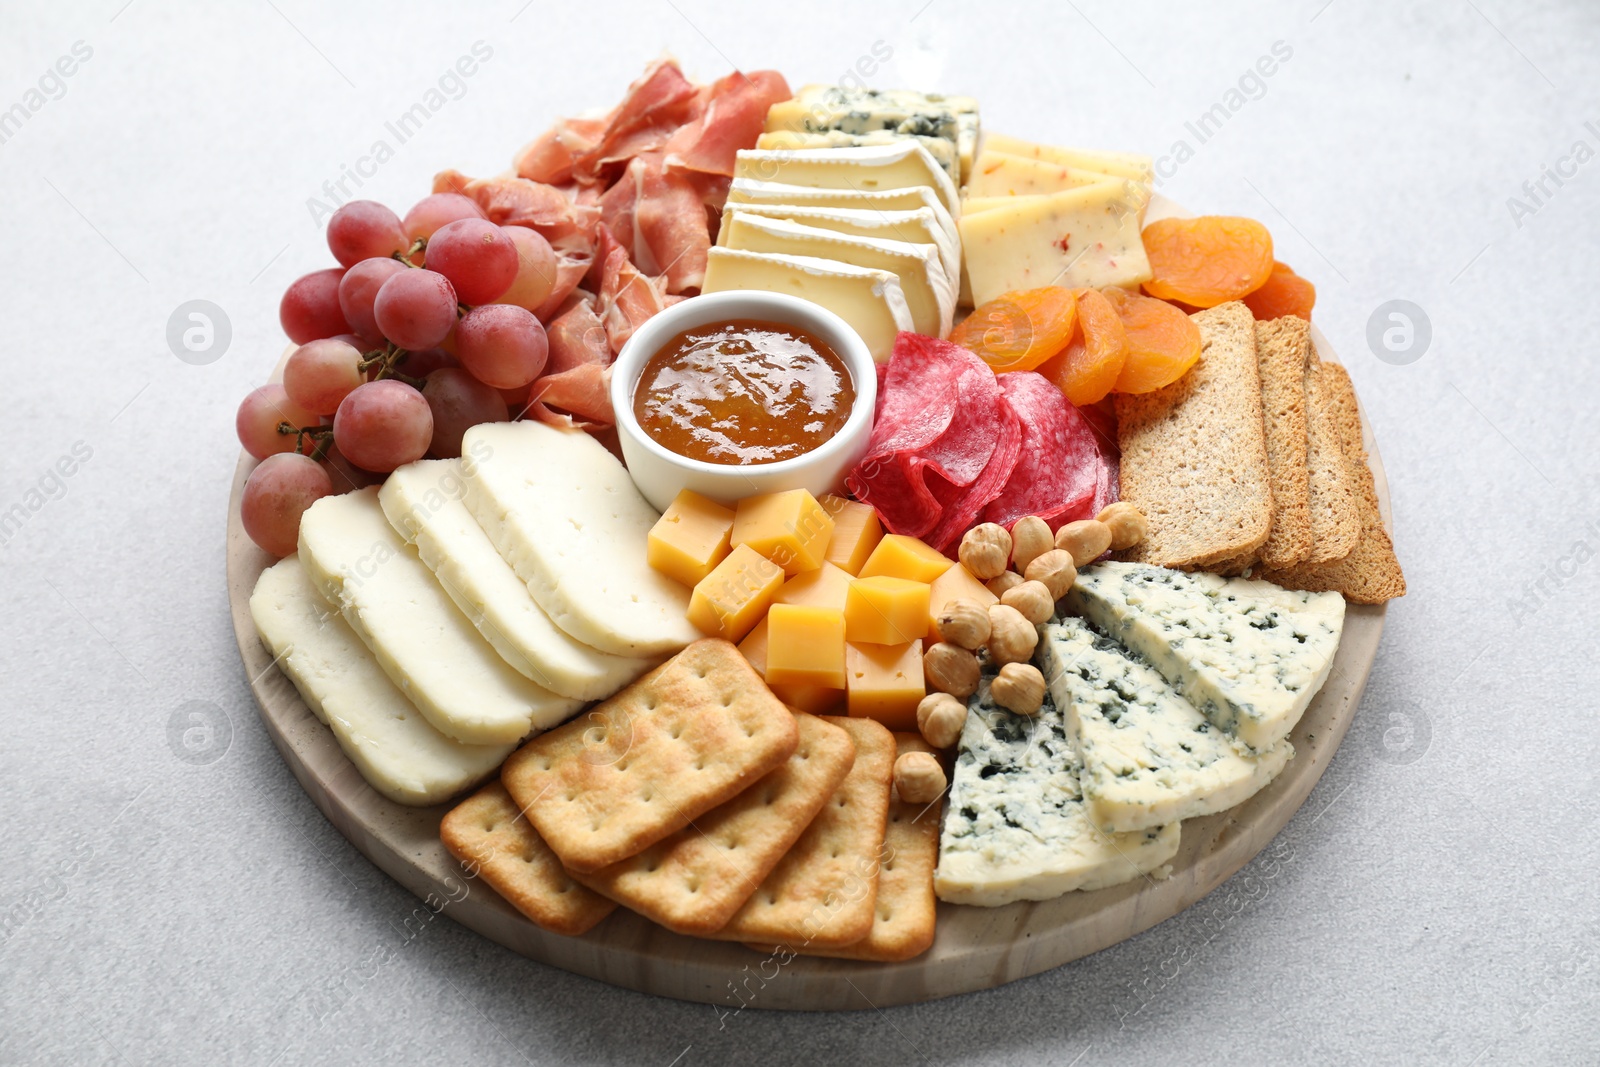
{"x":417,"y":335}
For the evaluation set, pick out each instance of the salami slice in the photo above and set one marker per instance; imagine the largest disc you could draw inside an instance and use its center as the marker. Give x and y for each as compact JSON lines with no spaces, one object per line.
{"x":1059,"y":470}
{"x":962,"y":511}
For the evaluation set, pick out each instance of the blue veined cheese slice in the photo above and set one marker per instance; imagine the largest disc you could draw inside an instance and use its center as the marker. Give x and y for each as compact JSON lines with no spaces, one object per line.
{"x":870,"y":300}
{"x":423,"y":502}
{"x":912,"y":197}
{"x":919,"y":226}
{"x":897,"y":165}
{"x":903,"y":111}
{"x":423,"y":642}
{"x":1149,"y":756}
{"x":1017,"y":825}
{"x":942,"y":151}
{"x":382,"y":732}
{"x":1249,"y":654}
{"x":930,"y":292}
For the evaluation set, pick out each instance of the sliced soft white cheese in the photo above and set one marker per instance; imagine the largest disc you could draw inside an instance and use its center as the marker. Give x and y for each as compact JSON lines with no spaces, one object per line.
{"x":920,"y":226}
{"x":896,"y":165}
{"x":386,"y":737}
{"x":1017,"y":825}
{"x":423,"y":642}
{"x":1149,"y":756}
{"x":930,"y":292}
{"x":1249,"y":654}
{"x":566,"y":515}
{"x":870,"y":300}
{"x":754,"y":191}
{"x":423,"y":502}
{"x":942,"y":150}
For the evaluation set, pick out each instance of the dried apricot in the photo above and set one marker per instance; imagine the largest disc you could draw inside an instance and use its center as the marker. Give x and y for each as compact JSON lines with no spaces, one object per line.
{"x":1285,"y":293}
{"x":1088,"y":367}
{"x":1019,"y":330}
{"x":1163,"y":343}
{"x":1208,"y":260}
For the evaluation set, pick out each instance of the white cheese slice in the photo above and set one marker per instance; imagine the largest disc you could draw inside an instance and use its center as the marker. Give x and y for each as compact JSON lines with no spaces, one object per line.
{"x":920,"y":227}
{"x":423,"y":502}
{"x":1149,"y":757}
{"x":1086,"y":237}
{"x":871,"y":301}
{"x":1001,"y":174}
{"x":943,"y":151}
{"x":421,"y":640}
{"x":1120,"y":164}
{"x":752,"y":191}
{"x":1249,"y":654}
{"x":566,"y":515}
{"x":1017,"y":825}
{"x":897,"y":165}
{"x":929,"y":291}
{"x":387,"y":739}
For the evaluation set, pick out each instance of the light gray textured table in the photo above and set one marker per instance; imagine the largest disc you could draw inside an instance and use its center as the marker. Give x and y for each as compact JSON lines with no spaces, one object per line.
{"x":1434,"y":902}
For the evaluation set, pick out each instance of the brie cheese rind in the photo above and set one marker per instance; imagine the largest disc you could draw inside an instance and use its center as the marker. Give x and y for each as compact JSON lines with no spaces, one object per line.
{"x":1149,"y":757}
{"x":1017,"y":825}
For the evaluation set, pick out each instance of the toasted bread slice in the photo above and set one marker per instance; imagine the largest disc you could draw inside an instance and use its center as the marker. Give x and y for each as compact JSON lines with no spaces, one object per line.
{"x":1370,"y":573}
{"x":1335,"y":506}
{"x":1194,"y":454}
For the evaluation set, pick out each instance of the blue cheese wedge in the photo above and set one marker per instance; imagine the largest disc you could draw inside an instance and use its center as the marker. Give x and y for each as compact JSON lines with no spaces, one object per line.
{"x":1149,"y":757}
{"x":1018,"y":827}
{"x":1249,"y":654}
{"x":824,"y":108}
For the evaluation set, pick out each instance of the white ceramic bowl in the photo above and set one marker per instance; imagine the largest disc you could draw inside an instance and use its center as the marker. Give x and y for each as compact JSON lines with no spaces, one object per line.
{"x":660,"y":473}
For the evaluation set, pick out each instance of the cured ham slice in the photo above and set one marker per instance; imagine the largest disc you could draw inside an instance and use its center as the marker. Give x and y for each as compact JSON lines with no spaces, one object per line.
{"x":584,"y":391}
{"x":577,"y":337}
{"x":628,"y":298}
{"x":734,"y":114}
{"x":659,"y":102}
{"x":558,"y":217}
{"x":548,"y":158}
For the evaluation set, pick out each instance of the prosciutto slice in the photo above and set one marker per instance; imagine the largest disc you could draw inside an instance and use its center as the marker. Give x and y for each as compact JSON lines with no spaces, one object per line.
{"x":734,"y":115}
{"x":659,"y":102}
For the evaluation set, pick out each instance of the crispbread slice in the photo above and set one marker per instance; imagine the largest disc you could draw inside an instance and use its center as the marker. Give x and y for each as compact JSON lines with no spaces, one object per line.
{"x":689,"y":735}
{"x":823,"y":893}
{"x":1284,"y":354}
{"x":1370,"y":573}
{"x":906,"y":909}
{"x":693,"y":881}
{"x":1335,"y":505}
{"x":1194,"y":454}
{"x":490,"y":837}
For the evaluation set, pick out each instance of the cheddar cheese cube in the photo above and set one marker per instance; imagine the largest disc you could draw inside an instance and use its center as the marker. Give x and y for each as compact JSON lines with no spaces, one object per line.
{"x":825,"y":587}
{"x":856,"y":532}
{"x":805,"y":646}
{"x":899,"y":556}
{"x":728,"y":602}
{"x":957,"y":583}
{"x":814,"y":699}
{"x":789,"y":528}
{"x":690,"y":538}
{"x":882,"y":610}
{"x":884,"y":682}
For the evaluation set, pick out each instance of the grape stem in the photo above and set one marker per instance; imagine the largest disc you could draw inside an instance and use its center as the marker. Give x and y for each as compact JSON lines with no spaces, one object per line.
{"x":419,"y":246}
{"x":387,"y":359}
{"x":322,"y":435}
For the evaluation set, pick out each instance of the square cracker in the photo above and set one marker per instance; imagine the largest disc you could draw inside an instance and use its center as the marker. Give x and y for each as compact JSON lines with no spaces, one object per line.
{"x":694,"y":881}
{"x":692,"y":733}
{"x":824,"y":891}
{"x":488,"y":835}
{"x":1370,"y":573}
{"x":906,"y":908}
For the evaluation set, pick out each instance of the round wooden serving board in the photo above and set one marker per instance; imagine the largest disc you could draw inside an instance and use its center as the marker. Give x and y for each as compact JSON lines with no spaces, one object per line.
{"x":976,"y":948}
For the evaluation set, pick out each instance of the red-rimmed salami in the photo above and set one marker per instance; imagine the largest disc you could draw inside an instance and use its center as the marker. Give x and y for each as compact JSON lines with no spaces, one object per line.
{"x":1060,"y":466}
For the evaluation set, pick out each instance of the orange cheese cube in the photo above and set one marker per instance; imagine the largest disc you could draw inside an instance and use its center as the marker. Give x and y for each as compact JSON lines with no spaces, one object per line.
{"x":884,"y":682}
{"x":690,"y":538}
{"x":815,"y":699}
{"x":885,"y":611}
{"x":790,"y":528}
{"x":899,"y":556}
{"x":856,"y":532}
{"x":805,"y":646}
{"x":728,"y":602}
{"x":824,"y":587}
{"x":957,"y":583}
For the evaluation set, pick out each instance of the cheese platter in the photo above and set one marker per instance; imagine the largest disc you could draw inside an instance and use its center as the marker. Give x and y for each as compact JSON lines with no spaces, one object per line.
{"x":777,"y":536}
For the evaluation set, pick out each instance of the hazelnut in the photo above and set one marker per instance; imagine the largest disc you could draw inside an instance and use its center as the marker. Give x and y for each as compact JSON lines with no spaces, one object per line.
{"x":1011,"y":636}
{"x":1033,"y":600}
{"x":1128,"y":524}
{"x":963,"y":622}
{"x":1007,"y":580}
{"x":918,"y":778}
{"x":1085,"y":540}
{"x":940,"y":717}
{"x":984,"y":550}
{"x":1019,"y":687}
{"x":1055,"y":570}
{"x":1030,"y":536}
{"x":950,"y":669}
